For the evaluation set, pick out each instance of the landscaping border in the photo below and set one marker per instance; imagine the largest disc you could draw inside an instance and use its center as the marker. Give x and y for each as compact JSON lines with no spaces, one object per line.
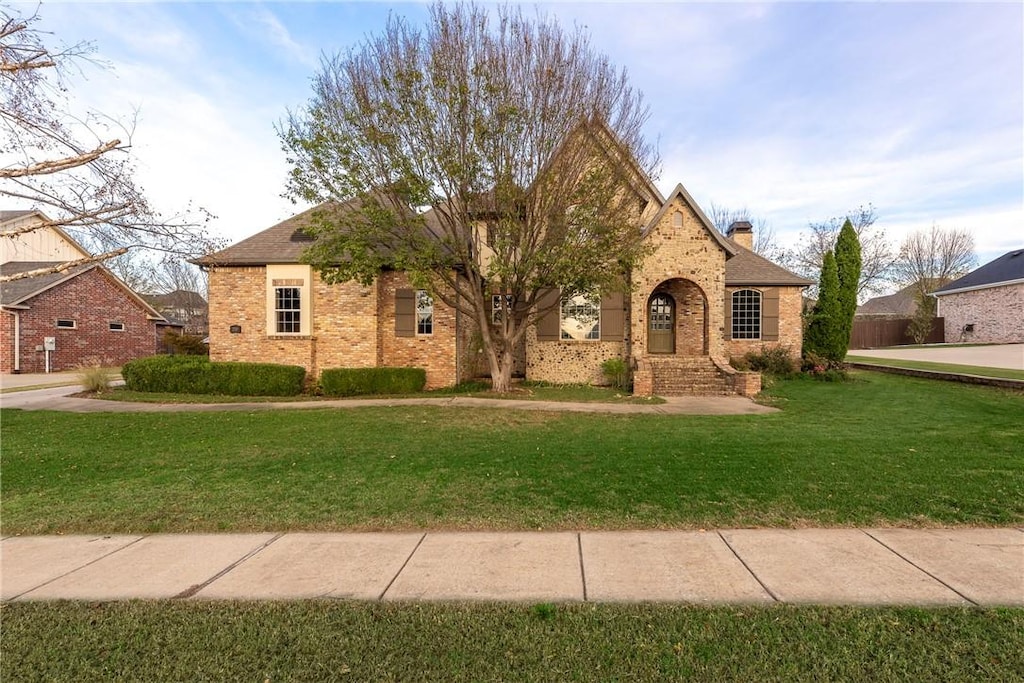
{"x":1002,"y":383}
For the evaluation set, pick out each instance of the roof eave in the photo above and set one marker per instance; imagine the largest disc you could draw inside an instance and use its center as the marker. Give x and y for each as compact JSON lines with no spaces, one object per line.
{"x":974,"y":288}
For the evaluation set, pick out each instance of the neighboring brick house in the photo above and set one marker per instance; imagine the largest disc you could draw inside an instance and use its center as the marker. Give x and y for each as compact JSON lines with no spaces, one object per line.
{"x":698,"y":299}
{"x":987,"y":304}
{"x":88,"y":313}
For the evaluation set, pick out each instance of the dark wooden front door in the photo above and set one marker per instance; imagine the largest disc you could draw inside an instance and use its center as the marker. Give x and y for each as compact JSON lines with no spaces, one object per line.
{"x":661,"y":325}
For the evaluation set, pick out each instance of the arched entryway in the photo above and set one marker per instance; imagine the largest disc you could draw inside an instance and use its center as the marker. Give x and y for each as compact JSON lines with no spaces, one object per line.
{"x":677,"y":319}
{"x":661,"y":323}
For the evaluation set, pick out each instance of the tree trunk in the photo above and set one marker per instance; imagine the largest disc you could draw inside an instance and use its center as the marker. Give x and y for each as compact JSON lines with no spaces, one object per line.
{"x":501,"y":376}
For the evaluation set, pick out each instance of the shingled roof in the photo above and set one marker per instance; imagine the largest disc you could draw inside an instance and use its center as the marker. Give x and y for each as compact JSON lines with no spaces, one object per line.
{"x":748,"y":268}
{"x":286,"y":241}
{"x":282,"y":243}
{"x":16,"y":291}
{"x":1007,"y":269}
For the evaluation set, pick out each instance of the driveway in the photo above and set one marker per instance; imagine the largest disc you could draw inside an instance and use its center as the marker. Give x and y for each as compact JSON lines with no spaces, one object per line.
{"x":1008,"y":356}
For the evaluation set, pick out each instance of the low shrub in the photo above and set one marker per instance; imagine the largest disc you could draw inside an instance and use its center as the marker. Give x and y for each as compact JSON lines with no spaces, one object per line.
{"x":185,"y":344}
{"x":771,"y":360}
{"x":197,"y":375}
{"x":616,"y":371}
{"x":366,"y":381}
{"x":170,"y":374}
{"x":820,"y":367}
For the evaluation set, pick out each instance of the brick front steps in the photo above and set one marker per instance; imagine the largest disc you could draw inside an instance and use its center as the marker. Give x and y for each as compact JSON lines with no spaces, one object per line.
{"x":692,"y":376}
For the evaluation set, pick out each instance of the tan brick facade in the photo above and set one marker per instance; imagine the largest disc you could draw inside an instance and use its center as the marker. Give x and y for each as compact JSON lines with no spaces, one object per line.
{"x":997,"y":314}
{"x":689,"y":265}
{"x":790,"y":324}
{"x":351,"y":326}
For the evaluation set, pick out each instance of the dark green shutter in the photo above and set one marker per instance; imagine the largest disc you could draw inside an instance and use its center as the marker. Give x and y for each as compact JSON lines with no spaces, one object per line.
{"x":548,"y":326}
{"x":770,"y":314}
{"x":405,"y":313}
{"x":612,"y":317}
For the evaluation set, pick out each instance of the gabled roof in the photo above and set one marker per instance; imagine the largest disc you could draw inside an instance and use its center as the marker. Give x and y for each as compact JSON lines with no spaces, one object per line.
{"x":1006,"y":270}
{"x":729,"y":247}
{"x":16,"y":293}
{"x":748,"y":268}
{"x":19,"y":216}
{"x":281,"y":243}
{"x":901,"y":303}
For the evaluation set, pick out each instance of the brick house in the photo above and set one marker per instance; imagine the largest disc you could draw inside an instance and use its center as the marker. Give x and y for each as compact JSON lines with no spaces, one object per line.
{"x":698,"y":299}
{"x":89,"y":314}
{"x":987,"y":304}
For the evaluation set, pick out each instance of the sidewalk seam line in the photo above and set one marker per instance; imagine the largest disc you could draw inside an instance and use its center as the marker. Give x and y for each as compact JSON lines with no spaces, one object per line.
{"x":583,"y":569}
{"x":402,"y":568}
{"x":916,"y":566}
{"x":757,"y":578}
{"x":192,"y":590}
{"x":47,"y":583}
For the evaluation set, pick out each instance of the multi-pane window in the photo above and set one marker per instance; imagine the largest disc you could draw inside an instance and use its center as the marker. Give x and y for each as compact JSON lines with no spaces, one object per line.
{"x":746,"y":314}
{"x":497,"y":309}
{"x":424,"y":313}
{"x":581,"y":317}
{"x":288,"y":310}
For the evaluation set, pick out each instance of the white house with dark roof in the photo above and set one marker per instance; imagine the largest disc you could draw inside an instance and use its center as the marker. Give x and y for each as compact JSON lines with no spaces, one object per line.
{"x":987,"y":304}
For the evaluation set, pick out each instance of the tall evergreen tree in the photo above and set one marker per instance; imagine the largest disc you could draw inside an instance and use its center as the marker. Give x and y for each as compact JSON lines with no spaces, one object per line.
{"x":824,"y":332}
{"x":848,"y":265}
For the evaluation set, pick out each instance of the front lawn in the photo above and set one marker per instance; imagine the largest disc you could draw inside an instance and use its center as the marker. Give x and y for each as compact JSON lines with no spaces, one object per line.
{"x":317,"y":640}
{"x":881,"y":450}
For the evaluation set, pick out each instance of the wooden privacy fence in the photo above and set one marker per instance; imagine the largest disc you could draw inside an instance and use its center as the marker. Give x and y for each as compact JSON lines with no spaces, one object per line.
{"x":870,"y":333}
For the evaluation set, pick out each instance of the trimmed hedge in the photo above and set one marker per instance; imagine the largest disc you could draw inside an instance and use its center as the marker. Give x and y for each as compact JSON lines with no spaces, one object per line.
{"x":197,"y":375}
{"x":362,"y":381}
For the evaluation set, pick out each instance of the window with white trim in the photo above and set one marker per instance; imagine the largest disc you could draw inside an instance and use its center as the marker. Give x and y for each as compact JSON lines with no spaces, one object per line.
{"x":580,"y":317}
{"x":66,"y":324}
{"x":287,"y":310}
{"x":746,"y":314}
{"x":424,"y":312}
{"x":116,"y":326}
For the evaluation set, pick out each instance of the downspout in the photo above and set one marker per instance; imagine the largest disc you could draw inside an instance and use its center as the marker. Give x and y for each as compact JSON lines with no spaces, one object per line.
{"x":17,"y":342}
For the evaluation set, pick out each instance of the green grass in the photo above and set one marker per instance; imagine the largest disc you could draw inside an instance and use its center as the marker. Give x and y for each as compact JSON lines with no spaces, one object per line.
{"x":1003,"y":373}
{"x":881,"y":450}
{"x":317,"y":640}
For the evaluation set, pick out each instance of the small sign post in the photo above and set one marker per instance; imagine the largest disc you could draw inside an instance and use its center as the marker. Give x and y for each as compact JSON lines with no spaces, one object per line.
{"x":49,"y":344}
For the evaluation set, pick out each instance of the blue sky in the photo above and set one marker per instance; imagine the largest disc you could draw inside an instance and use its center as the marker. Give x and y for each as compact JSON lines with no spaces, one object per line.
{"x":798,"y":111}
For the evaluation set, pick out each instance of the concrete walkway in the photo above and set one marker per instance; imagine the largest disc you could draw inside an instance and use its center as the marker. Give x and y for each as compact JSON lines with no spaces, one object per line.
{"x":758,"y":566}
{"x":1008,"y":356}
{"x":59,"y":398}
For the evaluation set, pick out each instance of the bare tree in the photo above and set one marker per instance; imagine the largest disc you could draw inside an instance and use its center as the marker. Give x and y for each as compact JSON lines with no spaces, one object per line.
{"x":524,"y":143}
{"x":766,"y":242}
{"x":877,"y":256}
{"x":928,"y":259}
{"x":75,"y":168}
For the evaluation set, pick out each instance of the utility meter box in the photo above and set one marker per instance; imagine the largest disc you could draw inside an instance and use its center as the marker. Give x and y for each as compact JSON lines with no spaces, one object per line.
{"x":49,"y":343}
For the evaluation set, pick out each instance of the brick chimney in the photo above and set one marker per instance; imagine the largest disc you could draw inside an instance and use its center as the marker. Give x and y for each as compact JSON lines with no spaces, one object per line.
{"x":742,"y":233}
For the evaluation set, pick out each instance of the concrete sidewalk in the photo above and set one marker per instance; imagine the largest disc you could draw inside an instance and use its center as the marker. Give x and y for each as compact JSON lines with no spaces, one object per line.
{"x":59,"y":398}
{"x":757,"y":566}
